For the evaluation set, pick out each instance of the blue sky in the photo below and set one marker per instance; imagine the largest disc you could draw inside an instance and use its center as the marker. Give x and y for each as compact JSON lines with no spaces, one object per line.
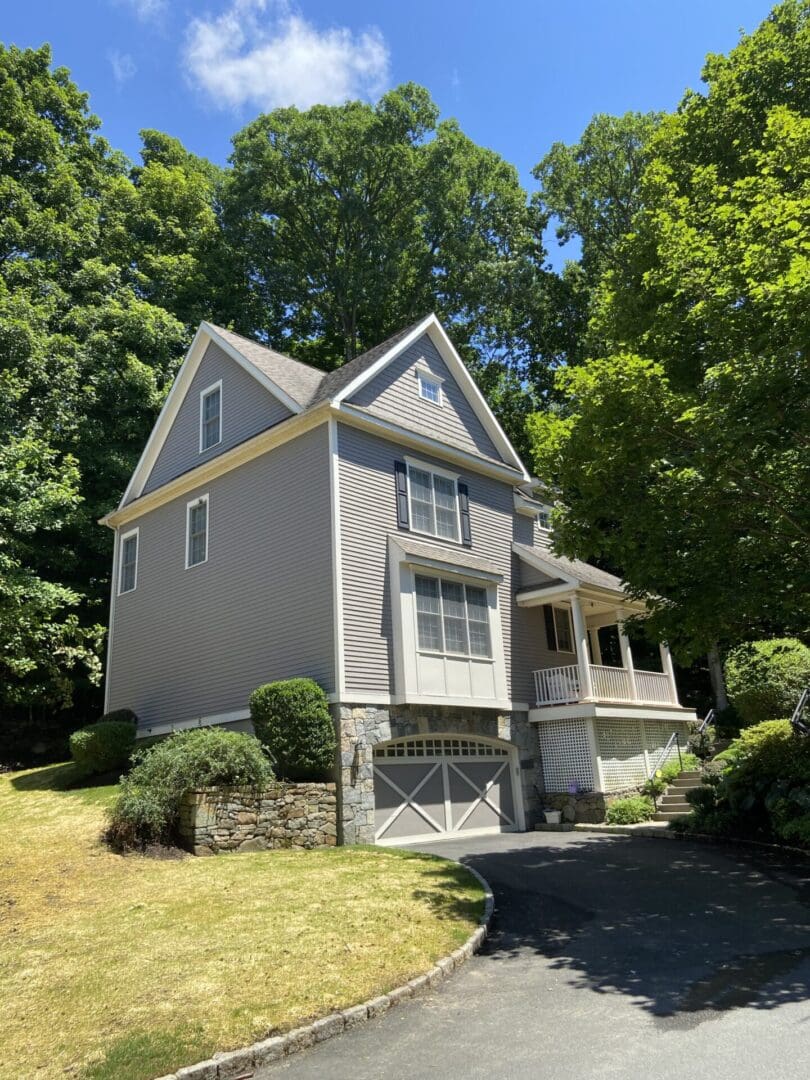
{"x":518,"y":75}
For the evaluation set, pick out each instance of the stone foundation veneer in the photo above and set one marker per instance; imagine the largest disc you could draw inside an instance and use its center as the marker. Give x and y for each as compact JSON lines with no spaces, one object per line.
{"x":360,"y":727}
{"x":587,"y":807}
{"x":282,"y":816}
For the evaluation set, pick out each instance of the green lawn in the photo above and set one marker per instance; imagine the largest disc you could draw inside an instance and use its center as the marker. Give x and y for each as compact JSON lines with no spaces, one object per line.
{"x":117,"y":968}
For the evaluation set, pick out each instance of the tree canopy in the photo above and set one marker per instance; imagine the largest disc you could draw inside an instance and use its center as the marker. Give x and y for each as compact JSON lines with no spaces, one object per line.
{"x":681,"y":452}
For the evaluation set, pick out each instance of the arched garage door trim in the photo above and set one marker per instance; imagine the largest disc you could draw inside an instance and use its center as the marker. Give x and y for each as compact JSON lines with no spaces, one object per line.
{"x":434,"y":787}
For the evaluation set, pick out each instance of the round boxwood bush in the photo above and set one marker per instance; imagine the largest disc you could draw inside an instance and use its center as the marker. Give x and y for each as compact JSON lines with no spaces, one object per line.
{"x":102,"y":747}
{"x":765,"y":678}
{"x":124,"y":715}
{"x":630,"y":811}
{"x":291,"y":717}
{"x":148,"y":805}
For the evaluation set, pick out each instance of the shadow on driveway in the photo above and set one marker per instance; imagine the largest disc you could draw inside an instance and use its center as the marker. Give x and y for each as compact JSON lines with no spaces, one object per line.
{"x":682,"y":929}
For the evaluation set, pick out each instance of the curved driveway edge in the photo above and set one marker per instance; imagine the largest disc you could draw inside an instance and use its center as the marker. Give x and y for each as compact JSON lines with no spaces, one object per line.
{"x":241,"y":1064}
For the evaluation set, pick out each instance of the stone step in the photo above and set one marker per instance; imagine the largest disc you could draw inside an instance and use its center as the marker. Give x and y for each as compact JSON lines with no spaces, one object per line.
{"x":685,"y":785}
{"x":674,"y":804}
{"x":689,"y":774}
{"x":671,"y":815}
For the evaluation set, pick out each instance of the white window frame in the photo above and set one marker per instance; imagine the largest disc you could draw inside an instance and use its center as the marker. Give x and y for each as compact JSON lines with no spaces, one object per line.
{"x":203,"y":395}
{"x":427,"y":378}
{"x":559,"y":609}
{"x":464,"y":583}
{"x":189,"y":505}
{"x":434,"y":470}
{"x":122,"y":540}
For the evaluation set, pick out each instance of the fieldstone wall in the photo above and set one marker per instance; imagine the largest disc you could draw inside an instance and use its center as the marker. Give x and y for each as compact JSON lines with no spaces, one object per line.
{"x":585,"y":806}
{"x":360,"y":727}
{"x":282,"y":816}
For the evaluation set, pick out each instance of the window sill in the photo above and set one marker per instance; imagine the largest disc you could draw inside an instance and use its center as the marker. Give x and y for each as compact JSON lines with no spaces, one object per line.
{"x":456,"y":656}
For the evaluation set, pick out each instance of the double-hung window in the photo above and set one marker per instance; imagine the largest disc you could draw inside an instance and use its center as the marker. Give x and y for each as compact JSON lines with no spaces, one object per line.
{"x":211,"y":416}
{"x":558,"y":629}
{"x":128,"y":562}
{"x":433,"y":503}
{"x":197,"y":532}
{"x":452,"y":617}
{"x":430,"y":388}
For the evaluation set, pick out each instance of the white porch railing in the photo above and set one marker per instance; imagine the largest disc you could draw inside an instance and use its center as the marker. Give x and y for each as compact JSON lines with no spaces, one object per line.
{"x":561,"y":685}
{"x":653,"y":686}
{"x":557,"y":685}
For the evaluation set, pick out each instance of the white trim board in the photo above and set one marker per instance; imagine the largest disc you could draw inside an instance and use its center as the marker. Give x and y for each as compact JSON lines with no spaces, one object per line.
{"x":437,"y":334}
{"x":337,"y":559}
{"x":180,"y":387}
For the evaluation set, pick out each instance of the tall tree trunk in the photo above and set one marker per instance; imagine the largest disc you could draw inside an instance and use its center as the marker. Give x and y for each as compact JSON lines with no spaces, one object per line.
{"x":716,"y":676}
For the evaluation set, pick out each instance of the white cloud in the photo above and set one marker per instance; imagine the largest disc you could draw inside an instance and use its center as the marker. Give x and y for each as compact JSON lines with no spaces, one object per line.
{"x":123,"y":67}
{"x":146,"y":10}
{"x":265,"y":53}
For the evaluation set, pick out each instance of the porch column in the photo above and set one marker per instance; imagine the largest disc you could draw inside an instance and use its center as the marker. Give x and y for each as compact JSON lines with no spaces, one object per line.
{"x":627,"y":656}
{"x":596,"y":648}
{"x":583,"y":659}
{"x":669,"y":671}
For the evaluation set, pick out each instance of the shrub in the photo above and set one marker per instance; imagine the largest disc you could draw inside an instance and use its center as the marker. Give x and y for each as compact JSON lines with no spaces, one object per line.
{"x":760,"y":785}
{"x":102,"y":747}
{"x":292,"y":720}
{"x":124,"y":715}
{"x":702,"y":743}
{"x":764,"y":678}
{"x":629,"y":811}
{"x":148,"y":804}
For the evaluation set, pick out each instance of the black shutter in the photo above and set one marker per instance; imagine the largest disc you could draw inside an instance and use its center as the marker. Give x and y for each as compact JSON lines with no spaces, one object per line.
{"x":464,"y":508}
{"x":551,"y":633}
{"x":401,"y":473}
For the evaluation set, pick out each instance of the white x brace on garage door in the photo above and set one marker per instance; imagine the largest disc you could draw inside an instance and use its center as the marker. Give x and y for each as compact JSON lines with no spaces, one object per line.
{"x":434,"y":787}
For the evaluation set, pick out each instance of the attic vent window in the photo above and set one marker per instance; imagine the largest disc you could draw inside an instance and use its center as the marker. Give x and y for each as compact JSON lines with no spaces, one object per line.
{"x":211,"y":416}
{"x":430,"y":388}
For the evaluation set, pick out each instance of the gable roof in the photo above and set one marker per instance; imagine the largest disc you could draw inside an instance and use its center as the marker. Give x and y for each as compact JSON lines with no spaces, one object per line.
{"x":301,"y":387}
{"x":571,"y":571}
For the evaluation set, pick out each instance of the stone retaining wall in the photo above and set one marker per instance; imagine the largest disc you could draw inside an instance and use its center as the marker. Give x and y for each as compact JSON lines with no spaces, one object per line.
{"x":586,"y":806}
{"x":282,"y":816}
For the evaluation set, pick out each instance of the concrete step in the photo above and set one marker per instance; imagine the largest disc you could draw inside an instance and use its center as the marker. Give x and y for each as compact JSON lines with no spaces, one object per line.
{"x":677,"y":805}
{"x":685,"y":785}
{"x":689,"y":774}
{"x":671,"y":815}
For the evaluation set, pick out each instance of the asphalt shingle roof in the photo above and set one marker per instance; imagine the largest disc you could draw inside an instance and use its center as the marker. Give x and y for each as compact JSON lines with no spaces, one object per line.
{"x":574,"y":568}
{"x":307,"y":385}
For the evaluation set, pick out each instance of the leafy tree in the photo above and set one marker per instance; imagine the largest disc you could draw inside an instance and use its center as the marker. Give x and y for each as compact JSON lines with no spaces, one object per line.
{"x":84,"y":361}
{"x":681,"y":454}
{"x":351,"y":221}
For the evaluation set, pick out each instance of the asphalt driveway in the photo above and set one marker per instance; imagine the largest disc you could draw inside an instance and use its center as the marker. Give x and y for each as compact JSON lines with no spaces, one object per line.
{"x":610,"y":957}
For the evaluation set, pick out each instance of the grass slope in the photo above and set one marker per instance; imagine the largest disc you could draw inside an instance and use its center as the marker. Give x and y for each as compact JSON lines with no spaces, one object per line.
{"x":127,"y":968}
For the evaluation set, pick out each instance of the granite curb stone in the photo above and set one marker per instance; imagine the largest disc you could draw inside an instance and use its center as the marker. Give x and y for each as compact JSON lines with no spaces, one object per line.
{"x":242,"y":1064}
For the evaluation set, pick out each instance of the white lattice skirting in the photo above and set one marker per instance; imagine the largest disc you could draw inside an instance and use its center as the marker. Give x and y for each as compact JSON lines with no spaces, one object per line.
{"x":605,"y":754}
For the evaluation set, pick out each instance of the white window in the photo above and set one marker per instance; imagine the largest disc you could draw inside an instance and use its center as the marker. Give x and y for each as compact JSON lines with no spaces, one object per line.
{"x":430,"y":388}
{"x":211,"y":416}
{"x":197,"y":531}
{"x":128,"y":565}
{"x":558,"y":629}
{"x":452,"y":617}
{"x":433,"y":502}
{"x":544,"y":518}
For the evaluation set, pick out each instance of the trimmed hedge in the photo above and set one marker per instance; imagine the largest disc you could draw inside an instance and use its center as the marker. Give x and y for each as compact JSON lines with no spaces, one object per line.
{"x":291,"y":718}
{"x":102,"y":747}
{"x":124,"y":715}
{"x":760,"y":786}
{"x":148,"y":805}
{"x":765,"y":678}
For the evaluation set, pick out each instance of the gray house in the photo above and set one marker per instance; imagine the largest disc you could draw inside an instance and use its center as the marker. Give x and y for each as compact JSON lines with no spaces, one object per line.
{"x":374,"y":529}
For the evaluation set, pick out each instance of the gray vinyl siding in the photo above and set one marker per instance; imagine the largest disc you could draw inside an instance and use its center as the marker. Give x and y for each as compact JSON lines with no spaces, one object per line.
{"x":247,"y":409}
{"x":192,"y":643}
{"x":394,"y":395}
{"x":368,"y":516}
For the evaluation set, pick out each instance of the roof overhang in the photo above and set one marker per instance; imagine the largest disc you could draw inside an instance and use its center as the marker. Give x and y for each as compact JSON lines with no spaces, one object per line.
{"x":436,"y":332}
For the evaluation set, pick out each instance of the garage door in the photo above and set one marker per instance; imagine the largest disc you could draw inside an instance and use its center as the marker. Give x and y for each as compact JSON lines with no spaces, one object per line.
{"x":440,"y":786}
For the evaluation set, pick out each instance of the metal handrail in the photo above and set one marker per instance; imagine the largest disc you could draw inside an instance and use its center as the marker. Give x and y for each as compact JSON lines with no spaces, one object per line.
{"x":797,"y":721}
{"x":674,"y":738}
{"x":705,"y":722}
